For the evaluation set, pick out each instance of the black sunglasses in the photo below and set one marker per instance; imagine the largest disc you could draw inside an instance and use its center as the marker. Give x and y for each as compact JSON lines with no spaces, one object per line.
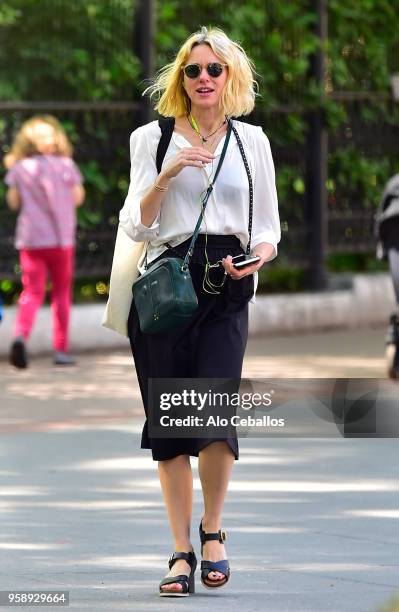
{"x":192,"y":71}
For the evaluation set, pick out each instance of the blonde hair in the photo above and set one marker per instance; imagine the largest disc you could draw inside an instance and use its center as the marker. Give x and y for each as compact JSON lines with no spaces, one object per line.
{"x":26,"y":140}
{"x":238,"y":95}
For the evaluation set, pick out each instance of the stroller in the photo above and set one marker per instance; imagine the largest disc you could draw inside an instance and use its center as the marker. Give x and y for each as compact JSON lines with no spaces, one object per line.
{"x":387,"y":233}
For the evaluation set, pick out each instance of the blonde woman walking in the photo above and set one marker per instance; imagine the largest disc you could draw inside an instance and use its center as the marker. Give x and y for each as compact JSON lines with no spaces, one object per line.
{"x":209,"y":83}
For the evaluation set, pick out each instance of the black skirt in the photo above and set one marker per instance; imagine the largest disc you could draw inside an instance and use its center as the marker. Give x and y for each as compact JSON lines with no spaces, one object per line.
{"x":211,"y":345}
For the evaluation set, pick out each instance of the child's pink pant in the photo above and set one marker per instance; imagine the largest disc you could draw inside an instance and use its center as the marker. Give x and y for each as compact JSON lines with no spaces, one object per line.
{"x":35,"y":265}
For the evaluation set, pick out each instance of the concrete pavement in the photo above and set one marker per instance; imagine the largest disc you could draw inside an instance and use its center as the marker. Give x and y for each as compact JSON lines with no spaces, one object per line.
{"x":312,"y":523}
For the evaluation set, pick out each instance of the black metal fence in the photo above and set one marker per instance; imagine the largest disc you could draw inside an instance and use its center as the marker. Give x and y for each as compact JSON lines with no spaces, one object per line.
{"x":363,"y":151}
{"x":100,"y":133}
{"x":111,"y":41}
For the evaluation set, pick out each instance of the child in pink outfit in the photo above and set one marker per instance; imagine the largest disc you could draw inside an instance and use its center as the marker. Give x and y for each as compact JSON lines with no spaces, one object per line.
{"x":44,"y":186}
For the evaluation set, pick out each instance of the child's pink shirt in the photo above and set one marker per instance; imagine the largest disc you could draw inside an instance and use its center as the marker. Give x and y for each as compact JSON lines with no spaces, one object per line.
{"x":47,"y":217}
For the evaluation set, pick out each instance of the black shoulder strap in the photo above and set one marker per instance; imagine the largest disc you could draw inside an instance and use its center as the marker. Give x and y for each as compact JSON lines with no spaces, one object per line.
{"x":251,"y":188}
{"x":167,"y":125}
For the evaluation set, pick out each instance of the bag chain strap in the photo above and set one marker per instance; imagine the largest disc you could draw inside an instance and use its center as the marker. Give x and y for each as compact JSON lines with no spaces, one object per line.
{"x":251,"y":189}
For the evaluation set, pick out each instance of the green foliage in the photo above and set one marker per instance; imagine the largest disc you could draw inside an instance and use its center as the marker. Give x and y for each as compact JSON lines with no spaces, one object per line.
{"x":355,"y":262}
{"x":276,"y":278}
{"x":360,"y":177}
{"x":62,"y":50}
{"x":83,"y":50}
{"x":276,"y":36}
{"x":363,"y":43}
{"x":281,"y":278}
{"x":84,"y":290}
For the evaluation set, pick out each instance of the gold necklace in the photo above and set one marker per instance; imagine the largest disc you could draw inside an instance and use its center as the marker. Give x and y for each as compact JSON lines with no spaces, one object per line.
{"x":192,"y":122}
{"x":211,"y":143}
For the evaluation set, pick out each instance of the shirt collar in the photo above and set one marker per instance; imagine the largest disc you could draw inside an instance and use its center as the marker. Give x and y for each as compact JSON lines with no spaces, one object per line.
{"x":182,"y":142}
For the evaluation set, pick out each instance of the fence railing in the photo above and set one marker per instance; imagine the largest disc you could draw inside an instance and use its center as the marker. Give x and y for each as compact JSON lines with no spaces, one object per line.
{"x":100,"y":133}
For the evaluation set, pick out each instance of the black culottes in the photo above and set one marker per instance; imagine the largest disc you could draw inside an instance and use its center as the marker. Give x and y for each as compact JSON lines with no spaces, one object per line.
{"x":210,"y":345}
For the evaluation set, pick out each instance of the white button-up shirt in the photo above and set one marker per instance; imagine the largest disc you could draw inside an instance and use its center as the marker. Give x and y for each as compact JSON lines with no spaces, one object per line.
{"x":227,"y":210}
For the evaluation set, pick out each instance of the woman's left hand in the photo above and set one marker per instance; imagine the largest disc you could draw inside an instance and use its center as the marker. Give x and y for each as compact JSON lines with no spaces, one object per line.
{"x":263,"y":250}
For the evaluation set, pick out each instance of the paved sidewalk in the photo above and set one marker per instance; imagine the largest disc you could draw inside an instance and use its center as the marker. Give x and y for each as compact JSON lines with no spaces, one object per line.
{"x":312,"y":523}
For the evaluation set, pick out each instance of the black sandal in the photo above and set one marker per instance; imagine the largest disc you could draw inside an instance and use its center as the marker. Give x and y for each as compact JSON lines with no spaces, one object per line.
{"x":187,"y":582}
{"x":213,"y":566}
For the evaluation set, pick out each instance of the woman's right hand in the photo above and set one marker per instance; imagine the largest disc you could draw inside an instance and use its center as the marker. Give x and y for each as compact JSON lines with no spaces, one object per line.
{"x":152,"y":201}
{"x":190,"y":156}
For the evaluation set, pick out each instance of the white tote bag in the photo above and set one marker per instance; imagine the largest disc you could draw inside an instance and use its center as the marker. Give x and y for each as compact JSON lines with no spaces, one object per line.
{"x":127,"y":254}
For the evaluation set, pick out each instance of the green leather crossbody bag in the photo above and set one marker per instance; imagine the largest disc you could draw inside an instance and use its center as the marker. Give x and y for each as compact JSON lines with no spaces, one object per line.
{"x":164,"y":294}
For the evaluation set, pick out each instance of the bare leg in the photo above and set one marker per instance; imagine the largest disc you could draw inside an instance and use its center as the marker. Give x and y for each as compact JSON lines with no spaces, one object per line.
{"x":214,"y":466}
{"x":176,"y":480}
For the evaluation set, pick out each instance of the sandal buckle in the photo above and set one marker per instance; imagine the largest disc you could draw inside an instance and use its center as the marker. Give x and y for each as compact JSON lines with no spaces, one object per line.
{"x":223,"y":535}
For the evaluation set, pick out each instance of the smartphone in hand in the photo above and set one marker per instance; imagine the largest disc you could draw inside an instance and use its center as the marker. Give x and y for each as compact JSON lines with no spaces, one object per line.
{"x":245,"y":260}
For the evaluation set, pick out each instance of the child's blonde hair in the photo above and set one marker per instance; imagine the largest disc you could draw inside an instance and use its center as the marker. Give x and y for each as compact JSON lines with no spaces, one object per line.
{"x":238,"y":96}
{"x":27,"y":138}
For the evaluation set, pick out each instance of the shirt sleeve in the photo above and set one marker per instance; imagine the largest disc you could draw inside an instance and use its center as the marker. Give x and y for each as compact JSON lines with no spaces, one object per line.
{"x":143,"y":173}
{"x":11,"y":177}
{"x":266,"y":219}
{"x":76,"y":175}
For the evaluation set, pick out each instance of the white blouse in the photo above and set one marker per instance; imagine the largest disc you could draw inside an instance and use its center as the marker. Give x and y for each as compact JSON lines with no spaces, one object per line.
{"x":227,"y":210}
